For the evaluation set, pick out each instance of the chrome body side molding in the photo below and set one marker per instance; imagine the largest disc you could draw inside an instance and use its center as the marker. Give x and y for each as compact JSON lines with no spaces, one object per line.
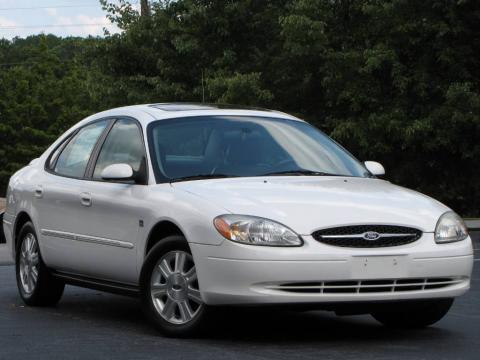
{"x":87,"y":238}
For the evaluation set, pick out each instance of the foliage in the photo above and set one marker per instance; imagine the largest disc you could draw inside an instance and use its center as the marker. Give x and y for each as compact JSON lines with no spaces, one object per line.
{"x":393,"y":80}
{"x":44,"y":89}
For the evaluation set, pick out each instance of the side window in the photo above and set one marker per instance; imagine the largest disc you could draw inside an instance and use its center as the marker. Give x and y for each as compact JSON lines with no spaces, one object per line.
{"x":123,"y":145}
{"x":54,"y":156}
{"x":74,"y":158}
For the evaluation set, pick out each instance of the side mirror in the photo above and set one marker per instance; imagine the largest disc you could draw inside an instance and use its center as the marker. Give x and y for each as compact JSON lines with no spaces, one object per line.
{"x":117,"y":172}
{"x":375,"y":168}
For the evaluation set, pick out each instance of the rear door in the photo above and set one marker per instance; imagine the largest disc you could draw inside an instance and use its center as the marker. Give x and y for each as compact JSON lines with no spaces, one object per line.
{"x":58,"y":197}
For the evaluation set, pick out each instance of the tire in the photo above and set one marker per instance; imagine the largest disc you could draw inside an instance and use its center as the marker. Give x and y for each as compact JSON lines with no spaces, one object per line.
{"x":170,"y":294}
{"x":37,"y":287}
{"x":414,"y":315}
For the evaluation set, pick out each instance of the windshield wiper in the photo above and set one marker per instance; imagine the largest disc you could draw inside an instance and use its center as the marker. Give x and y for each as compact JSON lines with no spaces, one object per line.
{"x":201,"y":177}
{"x":300,"y":172}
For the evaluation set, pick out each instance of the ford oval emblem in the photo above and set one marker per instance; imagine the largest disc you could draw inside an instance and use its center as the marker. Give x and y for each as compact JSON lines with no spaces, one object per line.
{"x":371,"y":235}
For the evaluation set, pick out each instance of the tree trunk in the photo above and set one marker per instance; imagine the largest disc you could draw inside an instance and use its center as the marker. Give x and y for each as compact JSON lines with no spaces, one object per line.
{"x":144,"y":8}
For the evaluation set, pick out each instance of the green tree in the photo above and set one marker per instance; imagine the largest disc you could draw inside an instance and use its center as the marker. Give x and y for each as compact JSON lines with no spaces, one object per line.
{"x":44,"y":89}
{"x":393,"y":80}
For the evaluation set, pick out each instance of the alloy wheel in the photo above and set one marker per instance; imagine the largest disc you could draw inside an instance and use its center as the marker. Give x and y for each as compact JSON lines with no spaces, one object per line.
{"x":174,"y":288}
{"x":29,"y":263}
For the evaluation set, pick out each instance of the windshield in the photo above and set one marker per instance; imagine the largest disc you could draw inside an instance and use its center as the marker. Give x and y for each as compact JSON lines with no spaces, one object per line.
{"x":241,"y":146}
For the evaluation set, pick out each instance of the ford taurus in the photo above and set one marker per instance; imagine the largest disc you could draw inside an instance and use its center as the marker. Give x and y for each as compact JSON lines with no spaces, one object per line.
{"x":192,"y":207}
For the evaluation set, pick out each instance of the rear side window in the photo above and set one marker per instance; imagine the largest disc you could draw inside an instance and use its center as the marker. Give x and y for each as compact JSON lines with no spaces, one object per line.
{"x":54,"y":156}
{"x":124,"y":145}
{"x":73,"y":159}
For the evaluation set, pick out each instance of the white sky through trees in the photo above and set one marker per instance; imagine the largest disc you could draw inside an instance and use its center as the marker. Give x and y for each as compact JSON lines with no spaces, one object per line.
{"x":60,"y":17}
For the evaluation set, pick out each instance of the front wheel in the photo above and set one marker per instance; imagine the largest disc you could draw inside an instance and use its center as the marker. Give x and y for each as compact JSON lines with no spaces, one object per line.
{"x":169,"y":288}
{"x":414,"y":315}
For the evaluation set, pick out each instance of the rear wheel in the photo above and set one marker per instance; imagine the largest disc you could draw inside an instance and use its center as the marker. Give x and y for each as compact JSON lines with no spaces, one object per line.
{"x":415,"y":314}
{"x":169,"y":289}
{"x":37,"y":287}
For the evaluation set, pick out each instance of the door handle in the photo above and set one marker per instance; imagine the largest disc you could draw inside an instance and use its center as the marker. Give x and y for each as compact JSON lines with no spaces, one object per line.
{"x":39,"y":192}
{"x":86,"y":199}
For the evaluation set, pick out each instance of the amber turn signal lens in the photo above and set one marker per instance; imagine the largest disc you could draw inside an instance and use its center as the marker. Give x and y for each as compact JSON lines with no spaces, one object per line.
{"x":254,"y":230}
{"x":223,"y":227}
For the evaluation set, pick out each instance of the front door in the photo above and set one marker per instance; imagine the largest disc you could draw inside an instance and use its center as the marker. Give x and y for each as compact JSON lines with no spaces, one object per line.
{"x":114,"y":211}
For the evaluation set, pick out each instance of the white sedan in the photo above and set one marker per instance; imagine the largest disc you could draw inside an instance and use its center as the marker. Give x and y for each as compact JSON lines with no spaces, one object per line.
{"x":192,"y":207}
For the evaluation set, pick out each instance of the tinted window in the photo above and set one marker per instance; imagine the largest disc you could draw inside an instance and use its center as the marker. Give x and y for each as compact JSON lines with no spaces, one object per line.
{"x":244,"y":146}
{"x":74,"y":158}
{"x":123,"y":145}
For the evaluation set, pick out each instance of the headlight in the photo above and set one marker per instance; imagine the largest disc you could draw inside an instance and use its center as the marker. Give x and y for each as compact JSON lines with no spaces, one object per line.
{"x":450,"y":227}
{"x":256,"y":231}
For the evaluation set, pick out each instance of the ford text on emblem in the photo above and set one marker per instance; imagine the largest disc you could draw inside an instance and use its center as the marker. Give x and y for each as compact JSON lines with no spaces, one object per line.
{"x":371,"y":235}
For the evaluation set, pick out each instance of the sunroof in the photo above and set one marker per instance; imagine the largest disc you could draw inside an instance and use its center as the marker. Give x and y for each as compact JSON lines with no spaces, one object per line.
{"x":184,"y":107}
{"x":193,"y":106}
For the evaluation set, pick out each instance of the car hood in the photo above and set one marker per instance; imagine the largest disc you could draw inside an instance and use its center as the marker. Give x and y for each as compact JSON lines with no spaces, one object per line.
{"x":306,"y":204}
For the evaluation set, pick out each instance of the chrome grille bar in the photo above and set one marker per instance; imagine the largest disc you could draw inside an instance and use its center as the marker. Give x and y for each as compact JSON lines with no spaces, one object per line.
{"x":357,"y":236}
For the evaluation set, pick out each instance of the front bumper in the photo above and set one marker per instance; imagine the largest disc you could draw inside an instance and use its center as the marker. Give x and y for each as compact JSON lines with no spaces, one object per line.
{"x":233,"y":273}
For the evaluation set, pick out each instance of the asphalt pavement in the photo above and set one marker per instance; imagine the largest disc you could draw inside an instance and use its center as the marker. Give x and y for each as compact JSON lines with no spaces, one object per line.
{"x":93,"y":325}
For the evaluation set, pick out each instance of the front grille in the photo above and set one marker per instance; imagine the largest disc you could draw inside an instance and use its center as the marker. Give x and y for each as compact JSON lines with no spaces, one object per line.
{"x":368,"y":286}
{"x":358,"y":236}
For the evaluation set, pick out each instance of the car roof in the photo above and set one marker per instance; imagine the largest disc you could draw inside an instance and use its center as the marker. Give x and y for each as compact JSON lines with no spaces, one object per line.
{"x":147,"y":113}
